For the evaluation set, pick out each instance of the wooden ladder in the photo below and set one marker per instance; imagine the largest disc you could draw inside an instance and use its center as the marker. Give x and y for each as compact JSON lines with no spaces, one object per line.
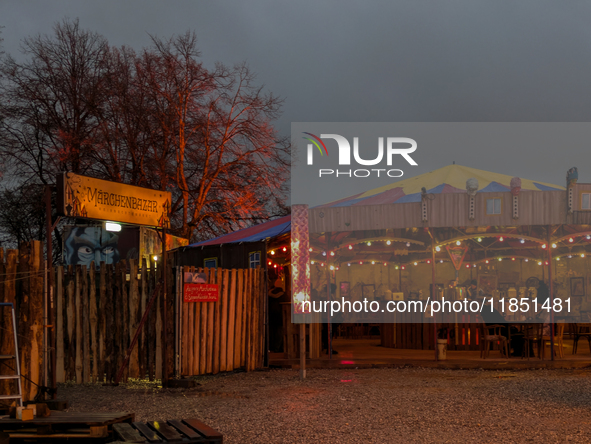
{"x":17,"y":375}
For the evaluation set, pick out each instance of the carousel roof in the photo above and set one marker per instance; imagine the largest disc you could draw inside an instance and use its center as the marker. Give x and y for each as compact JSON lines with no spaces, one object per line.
{"x":449,"y":179}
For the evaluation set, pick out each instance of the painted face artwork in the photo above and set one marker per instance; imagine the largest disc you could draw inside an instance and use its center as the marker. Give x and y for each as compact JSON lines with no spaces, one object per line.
{"x":87,"y":244}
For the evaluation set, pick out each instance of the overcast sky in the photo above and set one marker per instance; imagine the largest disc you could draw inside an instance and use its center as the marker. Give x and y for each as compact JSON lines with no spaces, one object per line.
{"x":387,"y":61}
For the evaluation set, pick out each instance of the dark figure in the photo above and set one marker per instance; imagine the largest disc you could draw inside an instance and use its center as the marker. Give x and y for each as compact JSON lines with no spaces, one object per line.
{"x":473,"y":290}
{"x":495,"y":318}
{"x":334,"y":320}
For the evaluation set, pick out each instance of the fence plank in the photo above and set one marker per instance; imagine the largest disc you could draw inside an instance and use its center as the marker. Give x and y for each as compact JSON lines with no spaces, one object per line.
{"x":85,"y":326}
{"x":93,"y":320}
{"x":217,"y":306}
{"x":239,"y":316}
{"x":60,"y":375}
{"x":102,"y":326}
{"x":79,"y":338}
{"x":224,"y":322}
{"x":231,"y":321}
{"x":210,"y":324}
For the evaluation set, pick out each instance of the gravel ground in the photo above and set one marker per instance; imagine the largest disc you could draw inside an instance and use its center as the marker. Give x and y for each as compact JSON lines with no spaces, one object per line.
{"x":369,"y":406}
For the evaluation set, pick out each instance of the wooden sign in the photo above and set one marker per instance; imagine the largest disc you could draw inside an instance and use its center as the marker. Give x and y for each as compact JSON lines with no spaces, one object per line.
{"x":200,"y":293}
{"x":87,"y":197}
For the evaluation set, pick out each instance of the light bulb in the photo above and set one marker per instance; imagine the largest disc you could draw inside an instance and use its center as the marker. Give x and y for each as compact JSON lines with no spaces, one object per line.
{"x":458,"y":243}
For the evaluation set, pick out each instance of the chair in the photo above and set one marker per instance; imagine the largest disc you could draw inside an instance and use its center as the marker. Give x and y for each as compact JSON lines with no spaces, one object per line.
{"x":491,"y":334}
{"x":581,"y":331}
{"x":532,"y":334}
{"x":558,"y":335}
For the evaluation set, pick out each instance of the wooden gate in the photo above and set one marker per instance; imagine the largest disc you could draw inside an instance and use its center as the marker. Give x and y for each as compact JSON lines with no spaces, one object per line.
{"x":227,"y":334}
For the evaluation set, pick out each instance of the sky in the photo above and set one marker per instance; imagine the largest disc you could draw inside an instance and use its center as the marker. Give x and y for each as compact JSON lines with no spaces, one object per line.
{"x":378,"y":61}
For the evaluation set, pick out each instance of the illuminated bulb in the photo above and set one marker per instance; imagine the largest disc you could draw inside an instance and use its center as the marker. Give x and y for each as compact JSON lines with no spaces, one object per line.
{"x":486,"y":261}
{"x":441,"y":261}
{"x":324,"y":253}
{"x":588,"y":236}
{"x":474,"y":265}
{"x":553,"y":245}
{"x":312,"y":262}
{"x":396,"y":267}
{"x":369,"y":244}
{"x":501,"y":239}
{"x":332,"y":253}
{"x":557,"y":258}
{"x":284,"y":249}
{"x":546,"y":262}
{"x":322,"y":264}
{"x":467,"y":265}
{"x":385,"y":264}
{"x":348,"y":264}
{"x":310,"y":249}
{"x":583,"y":255}
{"x":373,"y":262}
{"x":416,"y":263}
{"x":479,"y":239}
{"x":403,"y":267}
{"x":388,"y":242}
{"x":540,"y":263}
{"x":272,"y":262}
{"x":331,"y":267}
{"x":275,"y":266}
{"x":500,"y":259}
{"x":512,"y":258}
{"x":428,"y":261}
{"x":522,"y":241}
{"x":360,"y":262}
{"x":408,"y":244}
{"x":337,"y":268}
{"x":458,"y":243}
{"x":272,"y":252}
{"x":570,"y":256}
{"x":437,"y":248}
{"x":543,"y":245}
{"x":526,"y":260}
{"x":570,"y":239}
{"x":350,"y":247}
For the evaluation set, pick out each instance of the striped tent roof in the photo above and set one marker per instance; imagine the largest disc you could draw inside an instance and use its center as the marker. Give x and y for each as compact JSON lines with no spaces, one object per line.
{"x":449,"y":179}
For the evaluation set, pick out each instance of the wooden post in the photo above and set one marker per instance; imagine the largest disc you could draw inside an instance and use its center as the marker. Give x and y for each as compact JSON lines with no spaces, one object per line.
{"x":164,"y":312}
{"x":49,"y":303}
{"x":433,"y":292}
{"x":550,"y":286}
{"x":303,"y":351}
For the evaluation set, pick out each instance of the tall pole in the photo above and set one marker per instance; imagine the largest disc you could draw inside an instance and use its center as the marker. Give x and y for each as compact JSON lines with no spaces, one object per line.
{"x":550,"y":286}
{"x":49,"y":295}
{"x":328,"y":297}
{"x":433,"y":292}
{"x":164,"y":311}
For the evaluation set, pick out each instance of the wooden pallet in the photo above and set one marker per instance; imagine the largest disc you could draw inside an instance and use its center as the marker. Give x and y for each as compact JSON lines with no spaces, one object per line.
{"x":59,"y":426}
{"x":172,"y":431}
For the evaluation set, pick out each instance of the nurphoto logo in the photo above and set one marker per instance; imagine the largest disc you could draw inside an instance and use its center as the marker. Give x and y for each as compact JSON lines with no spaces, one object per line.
{"x":395,"y":146}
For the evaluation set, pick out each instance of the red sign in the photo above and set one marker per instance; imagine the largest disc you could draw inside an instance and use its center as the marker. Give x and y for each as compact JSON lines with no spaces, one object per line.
{"x":200,"y":293}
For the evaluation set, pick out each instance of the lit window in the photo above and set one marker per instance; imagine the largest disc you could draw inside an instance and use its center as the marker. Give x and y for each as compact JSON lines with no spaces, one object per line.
{"x":493,"y":206}
{"x":254,"y":259}
{"x":211,"y":262}
{"x":586,"y":201}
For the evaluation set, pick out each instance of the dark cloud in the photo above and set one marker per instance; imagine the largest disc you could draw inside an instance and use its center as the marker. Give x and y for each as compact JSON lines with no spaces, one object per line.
{"x":381,"y":61}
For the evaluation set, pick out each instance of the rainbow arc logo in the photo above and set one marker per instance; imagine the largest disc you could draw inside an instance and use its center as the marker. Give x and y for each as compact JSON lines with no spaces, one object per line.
{"x":316,"y":143}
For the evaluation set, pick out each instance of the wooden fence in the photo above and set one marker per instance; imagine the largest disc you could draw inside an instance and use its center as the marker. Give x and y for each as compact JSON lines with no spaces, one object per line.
{"x":97,"y":314}
{"x":227,"y":334}
{"x":98,"y":311}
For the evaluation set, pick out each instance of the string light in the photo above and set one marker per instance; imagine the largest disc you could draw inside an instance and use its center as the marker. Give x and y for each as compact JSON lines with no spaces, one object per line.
{"x":500,"y":259}
{"x":588,"y":236}
{"x":437,"y":248}
{"x":348,"y":264}
{"x":479,"y":239}
{"x":272,"y":252}
{"x":350,"y":247}
{"x":324,"y":253}
{"x":310,"y":249}
{"x":441,"y":261}
{"x":522,"y":241}
{"x":408,"y":244}
{"x":416,"y":263}
{"x":385,"y":264}
{"x":570,"y":256}
{"x":312,"y":262}
{"x":512,"y":258}
{"x":332,"y":253}
{"x":526,"y":260}
{"x":467,"y":265}
{"x":571,"y":239}
{"x":582,"y":254}
{"x":360,"y":262}
{"x":558,"y":258}
{"x":553,"y":245}
{"x":428,"y":261}
{"x":284,"y":249}
{"x":322,"y":264}
{"x":275,"y":266}
{"x":396,"y":267}
{"x":388,"y":242}
{"x":331,"y":267}
{"x":540,"y":263}
{"x":543,"y":245}
{"x":474,"y":265}
{"x":486,"y":261}
{"x":403,"y":267}
{"x":458,"y":242}
{"x":373,"y":262}
{"x":270,"y":263}
{"x":501,"y":239}
{"x":369,"y":244}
